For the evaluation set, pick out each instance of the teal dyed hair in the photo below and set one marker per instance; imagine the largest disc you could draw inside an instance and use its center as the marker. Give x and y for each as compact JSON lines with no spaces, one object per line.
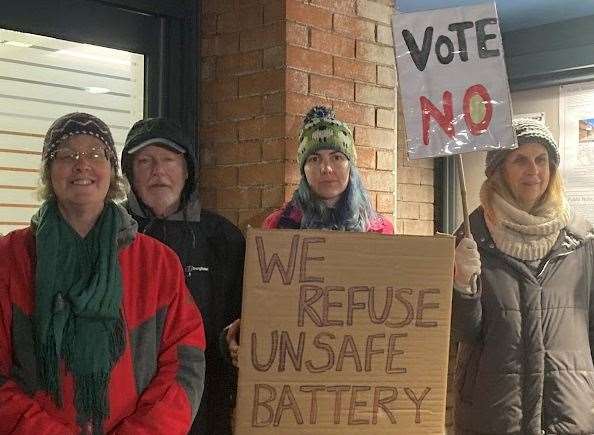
{"x":353,"y":211}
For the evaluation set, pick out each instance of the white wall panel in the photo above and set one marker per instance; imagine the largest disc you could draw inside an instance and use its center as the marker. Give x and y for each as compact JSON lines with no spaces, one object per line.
{"x":18,"y":196}
{"x":19,"y":160}
{"x":50,"y":53}
{"x":63,"y":97}
{"x":20,"y":142}
{"x":18,"y":178}
{"x":58,"y":78}
{"x":18,"y":215}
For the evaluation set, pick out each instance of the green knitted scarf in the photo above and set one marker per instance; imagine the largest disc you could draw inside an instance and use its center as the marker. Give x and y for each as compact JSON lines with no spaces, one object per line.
{"x":77,"y":314}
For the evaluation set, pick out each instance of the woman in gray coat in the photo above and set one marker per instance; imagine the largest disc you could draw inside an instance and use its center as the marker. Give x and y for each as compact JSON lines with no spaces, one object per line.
{"x":526,"y":335}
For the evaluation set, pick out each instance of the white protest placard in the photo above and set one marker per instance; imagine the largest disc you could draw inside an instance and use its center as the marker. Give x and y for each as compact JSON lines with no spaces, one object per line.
{"x":453,"y":82}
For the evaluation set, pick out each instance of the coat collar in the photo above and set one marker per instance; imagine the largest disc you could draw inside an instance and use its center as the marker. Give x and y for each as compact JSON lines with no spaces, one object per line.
{"x":570,"y":238}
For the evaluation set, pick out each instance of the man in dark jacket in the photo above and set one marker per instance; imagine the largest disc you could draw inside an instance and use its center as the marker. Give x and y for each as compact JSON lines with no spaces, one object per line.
{"x":160,"y":164}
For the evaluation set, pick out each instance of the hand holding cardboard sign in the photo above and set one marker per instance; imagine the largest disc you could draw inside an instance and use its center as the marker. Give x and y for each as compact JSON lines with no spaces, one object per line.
{"x":467,"y":264}
{"x":232,"y":338}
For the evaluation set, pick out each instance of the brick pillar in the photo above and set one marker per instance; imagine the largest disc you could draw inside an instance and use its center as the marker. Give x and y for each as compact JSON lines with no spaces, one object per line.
{"x":242,"y":108}
{"x":415,"y":192}
{"x":264,"y":64}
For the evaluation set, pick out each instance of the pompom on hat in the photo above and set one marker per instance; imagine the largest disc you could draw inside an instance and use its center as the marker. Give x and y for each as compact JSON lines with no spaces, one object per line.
{"x":322,"y":131}
{"x":527,"y":130}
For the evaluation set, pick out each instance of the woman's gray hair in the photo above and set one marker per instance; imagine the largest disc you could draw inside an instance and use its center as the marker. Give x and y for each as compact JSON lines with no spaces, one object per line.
{"x":352,"y":212}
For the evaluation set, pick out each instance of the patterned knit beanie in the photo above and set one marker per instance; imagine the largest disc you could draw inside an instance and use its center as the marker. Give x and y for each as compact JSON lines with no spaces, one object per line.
{"x":322,"y":131}
{"x":527,"y":130}
{"x":79,"y":123}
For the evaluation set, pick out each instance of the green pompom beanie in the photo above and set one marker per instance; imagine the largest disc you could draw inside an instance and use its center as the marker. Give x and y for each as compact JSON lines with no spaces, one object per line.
{"x":322,"y":131}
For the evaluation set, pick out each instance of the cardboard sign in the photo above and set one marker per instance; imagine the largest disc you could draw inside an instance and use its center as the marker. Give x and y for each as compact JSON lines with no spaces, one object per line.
{"x":453,"y":81}
{"x":344,"y":333}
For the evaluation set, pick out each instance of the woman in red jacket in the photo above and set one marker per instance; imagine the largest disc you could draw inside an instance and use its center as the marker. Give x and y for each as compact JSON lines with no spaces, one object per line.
{"x":98,"y":332}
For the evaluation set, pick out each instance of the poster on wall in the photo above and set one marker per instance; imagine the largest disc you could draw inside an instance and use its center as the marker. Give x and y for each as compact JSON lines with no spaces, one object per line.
{"x":453,"y":81}
{"x":576,"y":146}
{"x":344,"y":333}
{"x":586,"y":131}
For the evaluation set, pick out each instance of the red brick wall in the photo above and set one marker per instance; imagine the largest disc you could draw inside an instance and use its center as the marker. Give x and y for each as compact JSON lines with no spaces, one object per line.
{"x":335,"y":59}
{"x":264,"y":64}
{"x":414,"y":193}
{"x":242,"y":122}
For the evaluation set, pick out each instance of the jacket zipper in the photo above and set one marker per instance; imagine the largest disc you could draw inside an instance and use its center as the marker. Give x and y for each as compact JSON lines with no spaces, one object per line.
{"x":539,"y":275}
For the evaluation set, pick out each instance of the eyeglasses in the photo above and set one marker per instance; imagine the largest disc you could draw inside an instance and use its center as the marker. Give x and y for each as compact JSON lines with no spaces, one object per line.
{"x":66,"y":155}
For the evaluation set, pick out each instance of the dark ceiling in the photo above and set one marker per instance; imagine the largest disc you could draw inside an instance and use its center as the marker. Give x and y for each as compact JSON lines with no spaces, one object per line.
{"x":514,"y":14}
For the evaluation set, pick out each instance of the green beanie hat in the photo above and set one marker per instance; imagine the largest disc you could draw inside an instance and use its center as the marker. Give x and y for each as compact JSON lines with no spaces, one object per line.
{"x":322,"y":131}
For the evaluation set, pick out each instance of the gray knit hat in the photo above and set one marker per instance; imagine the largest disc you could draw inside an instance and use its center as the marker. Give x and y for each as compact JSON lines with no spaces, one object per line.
{"x":527,"y":130}
{"x":79,"y":123}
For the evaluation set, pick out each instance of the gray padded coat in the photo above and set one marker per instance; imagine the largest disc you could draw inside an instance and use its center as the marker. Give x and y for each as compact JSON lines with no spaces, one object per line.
{"x":526,"y":340}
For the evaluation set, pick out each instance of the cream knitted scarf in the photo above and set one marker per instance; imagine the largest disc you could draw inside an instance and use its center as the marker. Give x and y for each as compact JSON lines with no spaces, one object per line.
{"x":524,"y":235}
